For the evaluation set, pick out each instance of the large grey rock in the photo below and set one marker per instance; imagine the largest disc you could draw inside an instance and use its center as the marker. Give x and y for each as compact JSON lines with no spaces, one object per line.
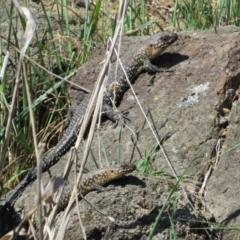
{"x":190,"y":108}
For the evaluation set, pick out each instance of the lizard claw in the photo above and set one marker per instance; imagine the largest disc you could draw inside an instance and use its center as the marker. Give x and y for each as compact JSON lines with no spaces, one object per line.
{"x":122,"y":116}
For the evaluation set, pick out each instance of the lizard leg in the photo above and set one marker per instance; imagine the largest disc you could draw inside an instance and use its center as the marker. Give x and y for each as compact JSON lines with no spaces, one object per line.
{"x":69,"y":116}
{"x":149,"y":67}
{"x":114,"y":115}
{"x":100,"y":188}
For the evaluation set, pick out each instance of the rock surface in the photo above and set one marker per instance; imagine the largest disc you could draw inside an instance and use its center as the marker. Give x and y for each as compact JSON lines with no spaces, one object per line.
{"x":191,"y":109}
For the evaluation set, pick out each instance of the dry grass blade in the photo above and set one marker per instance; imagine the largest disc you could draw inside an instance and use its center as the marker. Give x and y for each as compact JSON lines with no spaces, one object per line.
{"x":30,"y":28}
{"x":29,"y":31}
{"x":150,"y":126}
{"x":22,"y":235}
{"x":58,"y":196}
{"x":28,"y":34}
{"x":202,"y":192}
{"x":98,"y":88}
{"x":55,"y":184}
{"x":4,"y":66}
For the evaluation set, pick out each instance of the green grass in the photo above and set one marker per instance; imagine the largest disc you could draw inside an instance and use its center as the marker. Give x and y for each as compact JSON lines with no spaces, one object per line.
{"x":144,"y":165}
{"x":205,"y":14}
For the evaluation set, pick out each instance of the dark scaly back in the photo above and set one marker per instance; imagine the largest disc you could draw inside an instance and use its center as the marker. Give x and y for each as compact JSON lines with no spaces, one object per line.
{"x":134,"y":63}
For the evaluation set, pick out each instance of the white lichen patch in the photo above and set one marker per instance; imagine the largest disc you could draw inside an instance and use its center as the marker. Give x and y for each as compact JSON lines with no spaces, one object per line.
{"x":193,"y":95}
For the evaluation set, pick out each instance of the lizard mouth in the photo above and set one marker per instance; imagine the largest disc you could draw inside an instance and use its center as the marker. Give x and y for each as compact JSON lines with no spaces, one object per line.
{"x":167,"y":39}
{"x":126,"y":167}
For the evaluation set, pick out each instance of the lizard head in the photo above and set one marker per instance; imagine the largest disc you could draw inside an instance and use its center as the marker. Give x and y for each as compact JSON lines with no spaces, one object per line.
{"x":119,"y":170}
{"x":107,"y":174}
{"x":157,"y":43}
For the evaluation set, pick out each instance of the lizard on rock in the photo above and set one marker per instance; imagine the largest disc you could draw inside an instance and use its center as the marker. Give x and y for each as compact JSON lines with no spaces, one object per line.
{"x":91,"y":181}
{"x":135,"y":62}
{"x":95,"y":180}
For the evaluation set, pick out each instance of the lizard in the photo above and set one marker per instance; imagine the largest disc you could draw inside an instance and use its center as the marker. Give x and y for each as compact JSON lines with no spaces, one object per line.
{"x":136,"y":61}
{"x":95,"y":180}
